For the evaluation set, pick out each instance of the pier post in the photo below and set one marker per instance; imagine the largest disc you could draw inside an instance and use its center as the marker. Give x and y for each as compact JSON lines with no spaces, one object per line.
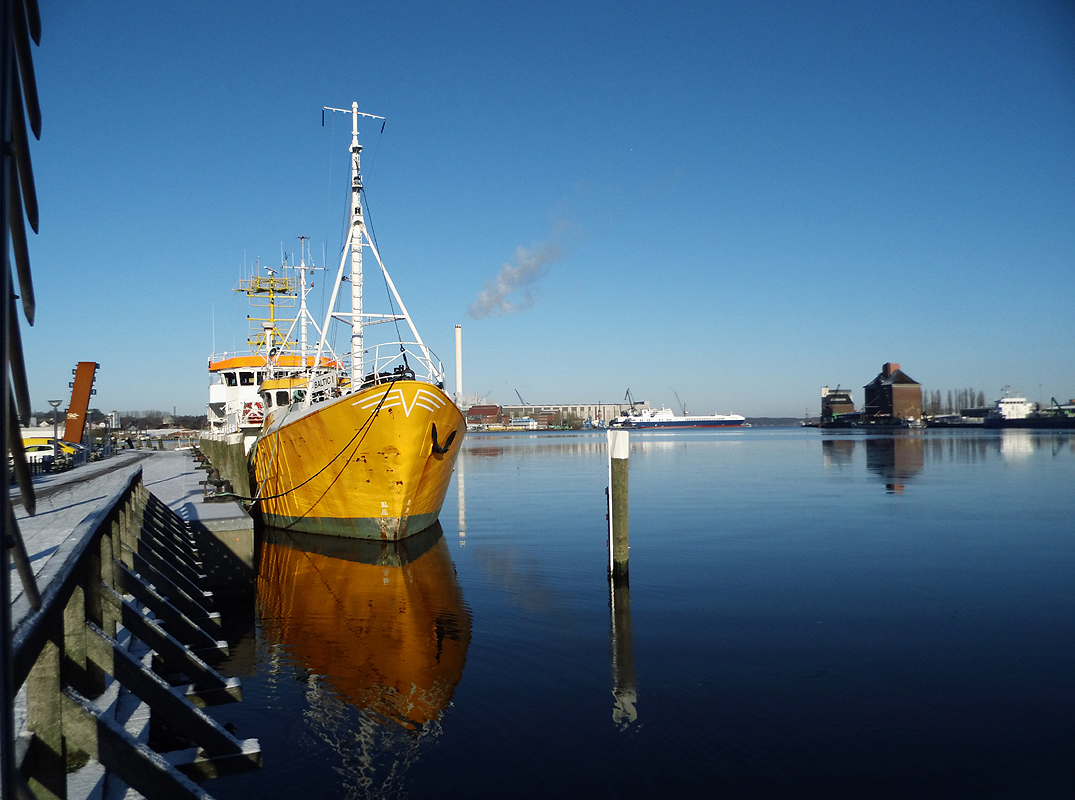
{"x":44,"y":716}
{"x":126,"y":537}
{"x":139,"y":496}
{"x":74,"y":638}
{"x":110,"y":554}
{"x":619,"y":445}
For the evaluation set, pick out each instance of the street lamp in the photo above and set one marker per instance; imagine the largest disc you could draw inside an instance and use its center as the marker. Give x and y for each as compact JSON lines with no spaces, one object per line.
{"x":55,"y":438}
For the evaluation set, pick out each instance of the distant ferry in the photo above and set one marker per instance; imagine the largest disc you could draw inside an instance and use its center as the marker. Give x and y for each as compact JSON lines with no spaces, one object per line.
{"x":665,"y":418}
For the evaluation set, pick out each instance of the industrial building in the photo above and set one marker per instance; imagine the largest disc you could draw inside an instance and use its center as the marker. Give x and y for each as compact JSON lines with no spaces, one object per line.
{"x":892,"y":395}
{"x":835,"y":402}
{"x":480,"y":412}
{"x":557,"y":414}
{"x":484,"y":415}
{"x":551,"y":415}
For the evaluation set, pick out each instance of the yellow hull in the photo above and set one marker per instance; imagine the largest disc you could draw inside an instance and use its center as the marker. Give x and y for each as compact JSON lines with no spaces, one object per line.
{"x":361,"y":466}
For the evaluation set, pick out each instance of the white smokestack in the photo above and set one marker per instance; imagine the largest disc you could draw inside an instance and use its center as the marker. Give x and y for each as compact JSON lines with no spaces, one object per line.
{"x":459,"y":365}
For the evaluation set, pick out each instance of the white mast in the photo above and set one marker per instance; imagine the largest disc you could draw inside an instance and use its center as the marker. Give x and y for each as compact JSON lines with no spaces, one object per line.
{"x":356,"y":237}
{"x":358,"y":230}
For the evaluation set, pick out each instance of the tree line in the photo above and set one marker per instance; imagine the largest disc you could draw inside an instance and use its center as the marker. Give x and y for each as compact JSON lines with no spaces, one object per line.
{"x":144,"y":420}
{"x":141,"y":420}
{"x":933,"y":402}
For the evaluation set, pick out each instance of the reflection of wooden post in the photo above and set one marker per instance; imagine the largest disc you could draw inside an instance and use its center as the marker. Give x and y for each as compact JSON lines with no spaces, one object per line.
{"x":623,"y":657}
{"x":618,"y":450}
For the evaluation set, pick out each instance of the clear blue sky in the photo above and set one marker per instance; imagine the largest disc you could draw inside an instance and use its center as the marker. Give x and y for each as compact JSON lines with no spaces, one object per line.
{"x":736,"y":201}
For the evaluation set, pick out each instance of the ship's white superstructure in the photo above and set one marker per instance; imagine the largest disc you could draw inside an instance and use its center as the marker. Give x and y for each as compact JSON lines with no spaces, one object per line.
{"x":666,"y":418}
{"x":1012,"y":408}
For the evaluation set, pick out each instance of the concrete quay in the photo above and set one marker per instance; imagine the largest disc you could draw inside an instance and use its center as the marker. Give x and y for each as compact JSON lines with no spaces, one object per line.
{"x":64,"y":499}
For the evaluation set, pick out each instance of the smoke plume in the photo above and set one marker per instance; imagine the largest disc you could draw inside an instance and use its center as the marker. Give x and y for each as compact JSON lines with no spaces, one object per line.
{"x":514,"y":280}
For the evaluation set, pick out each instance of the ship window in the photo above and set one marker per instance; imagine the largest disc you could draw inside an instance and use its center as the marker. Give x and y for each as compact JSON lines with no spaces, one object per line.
{"x":261,"y":377}
{"x":281,"y":398}
{"x":268,"y":399}
{"x":229,"y":378}
{"x":246,"y":378}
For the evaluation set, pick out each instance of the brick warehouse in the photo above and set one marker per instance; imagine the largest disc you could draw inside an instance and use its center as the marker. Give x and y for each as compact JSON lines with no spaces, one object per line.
{"x":892,"y":395}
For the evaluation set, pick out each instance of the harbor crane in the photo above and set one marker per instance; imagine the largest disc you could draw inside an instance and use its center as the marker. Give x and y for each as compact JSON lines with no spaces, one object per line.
{"x":682,"y":405}
{"x":521,"y":398}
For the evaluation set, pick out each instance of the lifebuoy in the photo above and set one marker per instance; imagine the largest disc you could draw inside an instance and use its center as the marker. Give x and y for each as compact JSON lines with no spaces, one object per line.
{"x":253,"y":412}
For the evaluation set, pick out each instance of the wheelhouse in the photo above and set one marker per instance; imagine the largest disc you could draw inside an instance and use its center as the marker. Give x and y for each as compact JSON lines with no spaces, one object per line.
{"x":282,"y":392}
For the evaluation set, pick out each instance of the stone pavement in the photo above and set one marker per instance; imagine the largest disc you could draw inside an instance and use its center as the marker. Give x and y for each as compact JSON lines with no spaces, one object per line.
{"x":66,"y":498}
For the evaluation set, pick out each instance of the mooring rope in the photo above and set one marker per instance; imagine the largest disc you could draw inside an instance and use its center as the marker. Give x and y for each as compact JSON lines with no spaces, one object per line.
{"x":362,"y":430}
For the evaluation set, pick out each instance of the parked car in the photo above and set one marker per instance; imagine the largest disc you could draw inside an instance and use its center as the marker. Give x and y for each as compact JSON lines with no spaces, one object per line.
{"x":41,"y":452}
{"x":38,"y":453}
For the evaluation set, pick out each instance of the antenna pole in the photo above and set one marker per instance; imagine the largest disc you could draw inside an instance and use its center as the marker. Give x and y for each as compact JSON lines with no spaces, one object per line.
{"x":302,"y":300}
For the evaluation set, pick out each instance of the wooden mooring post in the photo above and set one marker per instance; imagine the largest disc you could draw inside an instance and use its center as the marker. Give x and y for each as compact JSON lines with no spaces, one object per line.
{"x":619,"y":445}
{"x":623,"y":663}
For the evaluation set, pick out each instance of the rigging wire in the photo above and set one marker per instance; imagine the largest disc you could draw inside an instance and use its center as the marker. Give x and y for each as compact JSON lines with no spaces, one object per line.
{"x":376,"y":150}
{"x":387,"y":291}
{"x":363,"y":430}
{"x":331,"y":162}
{"x":329,"y":335}
{"x":276,"y":441}
{"x":334,"y":326}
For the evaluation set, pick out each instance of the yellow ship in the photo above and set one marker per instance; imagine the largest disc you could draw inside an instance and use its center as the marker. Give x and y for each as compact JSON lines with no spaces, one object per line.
{"x":374,"y":464}
{"x":360,"y":444}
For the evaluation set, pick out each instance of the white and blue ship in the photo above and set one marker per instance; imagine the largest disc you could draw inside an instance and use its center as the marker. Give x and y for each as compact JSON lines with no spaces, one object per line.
{"x":665,"y":418}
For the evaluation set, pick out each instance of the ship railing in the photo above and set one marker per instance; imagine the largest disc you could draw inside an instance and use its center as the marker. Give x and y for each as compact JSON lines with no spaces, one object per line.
{"x":393,"y":361}
{"x":226,"y":354}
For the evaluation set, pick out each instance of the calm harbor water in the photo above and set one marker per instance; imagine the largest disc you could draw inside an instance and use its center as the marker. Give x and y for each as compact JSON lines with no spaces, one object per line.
{"x":809,"y":615}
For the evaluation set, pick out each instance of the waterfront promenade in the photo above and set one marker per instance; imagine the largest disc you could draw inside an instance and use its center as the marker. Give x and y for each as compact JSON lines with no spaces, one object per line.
{"x":64,"y":499}
{"x":128,"y":560}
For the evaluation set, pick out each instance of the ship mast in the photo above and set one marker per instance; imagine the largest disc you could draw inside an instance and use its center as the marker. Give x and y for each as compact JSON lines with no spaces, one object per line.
{"x":358,"y":230}
{"x":356,"y":237}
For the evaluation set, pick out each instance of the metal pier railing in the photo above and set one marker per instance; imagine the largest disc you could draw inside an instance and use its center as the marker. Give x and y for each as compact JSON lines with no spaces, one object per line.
{"x":118,"y":634}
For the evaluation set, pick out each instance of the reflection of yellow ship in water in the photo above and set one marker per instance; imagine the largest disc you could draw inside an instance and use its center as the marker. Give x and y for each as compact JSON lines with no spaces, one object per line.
{"x":382,"y":624}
